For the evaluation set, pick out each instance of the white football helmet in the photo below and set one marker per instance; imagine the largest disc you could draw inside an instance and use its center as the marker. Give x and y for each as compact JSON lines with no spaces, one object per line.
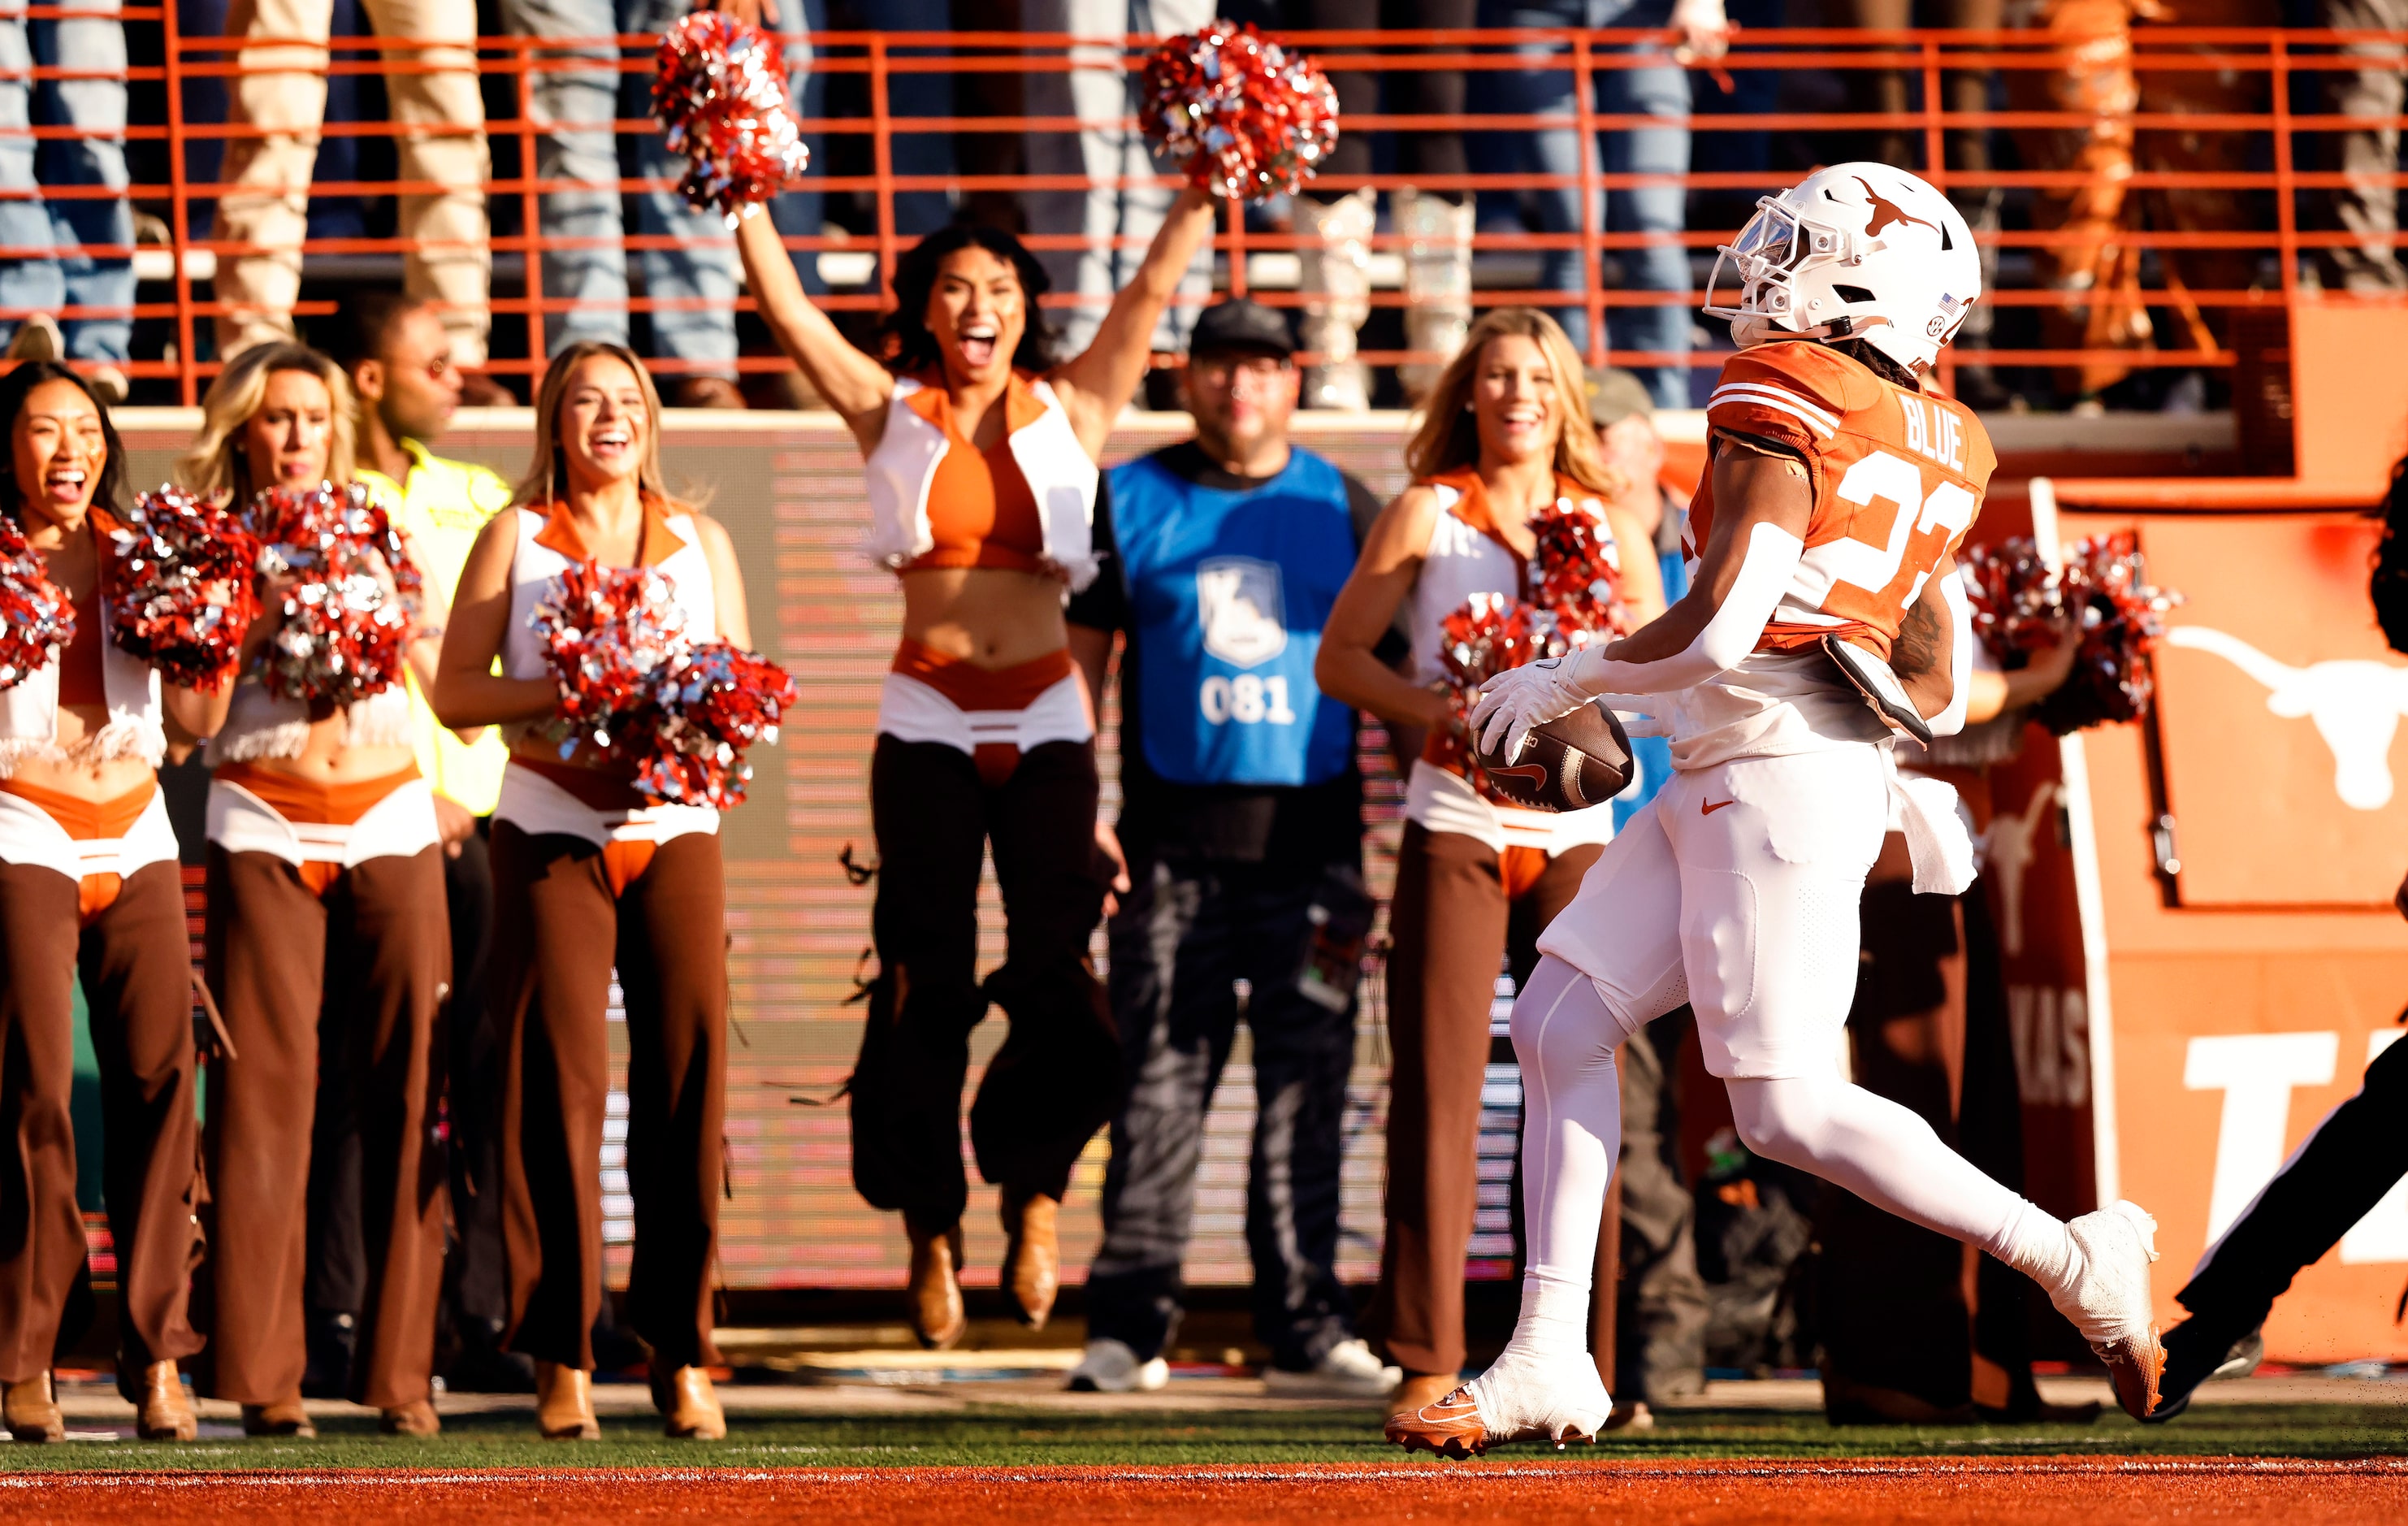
{"x":1857,"y":251}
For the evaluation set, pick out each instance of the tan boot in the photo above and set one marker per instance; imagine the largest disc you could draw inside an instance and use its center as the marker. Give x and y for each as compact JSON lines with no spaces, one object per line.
{"x":415,"y":1418}
{"x":31,"y":1409}
{"x":689,"y":1406}
{"x":564,"y":1403}
{"x":162,"y":1412}
{"x":1419,"y":1390}
{"x":1032,"y":1259}
{"x":285,"y":1418}
{"x":936,"y":1286}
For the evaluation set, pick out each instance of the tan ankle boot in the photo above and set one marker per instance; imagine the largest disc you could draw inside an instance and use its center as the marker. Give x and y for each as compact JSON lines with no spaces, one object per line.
{"x":936,"y":1288}
{"x":689,"y":1406}
{"x":284,"y":1418}
{"x":31,"y":1407}
{"x":564,"y":1403}
{"x":1419,"y":1390}
{"x":162,"y":1412}
{"x":415,"y":1418}
{"x":1032,"y":1260}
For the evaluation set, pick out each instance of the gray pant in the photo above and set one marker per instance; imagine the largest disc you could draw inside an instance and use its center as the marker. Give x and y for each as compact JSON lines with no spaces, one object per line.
{"x":690,"y":272}
{"x":1116,"y":221}
{"x":2369,"y":208}
{"x":1182,"y":943}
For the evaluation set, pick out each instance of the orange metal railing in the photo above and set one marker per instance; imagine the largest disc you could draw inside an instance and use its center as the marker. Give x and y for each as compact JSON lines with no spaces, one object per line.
{"x":2264,"y":62}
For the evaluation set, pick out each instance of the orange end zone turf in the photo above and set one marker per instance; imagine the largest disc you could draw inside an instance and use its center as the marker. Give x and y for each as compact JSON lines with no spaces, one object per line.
{"x":2074,"y":1492}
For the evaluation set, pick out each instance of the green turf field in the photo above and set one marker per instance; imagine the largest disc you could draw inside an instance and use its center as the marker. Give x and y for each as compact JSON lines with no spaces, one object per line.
{"x":1006,"y":1436}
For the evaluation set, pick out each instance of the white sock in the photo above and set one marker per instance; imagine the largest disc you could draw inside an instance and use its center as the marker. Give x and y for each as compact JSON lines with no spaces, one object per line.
{"x":1553,"y":1321}
{"x":2035,"y":1243}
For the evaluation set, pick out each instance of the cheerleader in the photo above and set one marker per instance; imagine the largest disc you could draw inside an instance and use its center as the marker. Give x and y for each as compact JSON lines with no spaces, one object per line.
{"x":325,"y":907}
{"x":90,"y":889}
{"x":1507,"y":434}
{"x":981,"y":458}
{"x":587,"y":875}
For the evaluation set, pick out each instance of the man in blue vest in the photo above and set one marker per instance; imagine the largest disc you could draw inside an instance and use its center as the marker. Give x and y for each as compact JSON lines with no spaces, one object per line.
{"x":1240,"y":837}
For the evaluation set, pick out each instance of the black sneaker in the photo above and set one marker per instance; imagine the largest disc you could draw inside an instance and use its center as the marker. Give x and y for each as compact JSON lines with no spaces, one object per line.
{"x":2196,"y":1355}
{"x":332,"y":1338}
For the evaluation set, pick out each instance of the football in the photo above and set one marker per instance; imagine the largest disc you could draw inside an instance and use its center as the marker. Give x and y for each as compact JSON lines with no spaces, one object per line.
{"x":1570,"y":764}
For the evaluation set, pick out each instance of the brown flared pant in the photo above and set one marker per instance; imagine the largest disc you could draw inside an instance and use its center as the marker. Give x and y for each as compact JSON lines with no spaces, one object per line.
{"x":373,"y":954}
{"x":557,"y":931}
{"x":135,"y":963}
{"x":1460,"y":909}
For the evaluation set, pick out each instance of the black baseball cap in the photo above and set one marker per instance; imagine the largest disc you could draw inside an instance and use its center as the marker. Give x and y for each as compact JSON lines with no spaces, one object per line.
{"x":1240,"y":325}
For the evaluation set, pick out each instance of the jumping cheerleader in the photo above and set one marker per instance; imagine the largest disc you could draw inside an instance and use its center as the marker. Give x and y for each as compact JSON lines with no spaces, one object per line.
{"x":981,"y":456}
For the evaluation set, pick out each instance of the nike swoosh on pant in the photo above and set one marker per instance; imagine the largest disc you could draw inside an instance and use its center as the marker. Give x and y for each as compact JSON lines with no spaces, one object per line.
{"x":1707,"y":808}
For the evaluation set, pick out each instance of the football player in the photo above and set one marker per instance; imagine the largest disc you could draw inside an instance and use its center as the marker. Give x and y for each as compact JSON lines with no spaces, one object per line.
{"x":1824,"y":618}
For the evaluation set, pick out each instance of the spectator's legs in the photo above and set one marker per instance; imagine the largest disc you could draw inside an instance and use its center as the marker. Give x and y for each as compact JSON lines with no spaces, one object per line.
{"x":1655,"y":211}
{"x":2368,"y":207}
{"x":94,"y":156}
{"x":1174,"y":956}
{"x":1097,"y":90}
{"x":1335,"y":227}
{"x":266,"y":175}
{"x":453,"y":264}
{"x":1543,"y":88}
{"x":800,"y":213}
{"x":918,"y":94}
{"x":1302,"y":1050}
{"x":28,"y":283}
{"x":1436,"y":222}
{"x":692,"y":283}
{"x":1142,"y":207}
{"x":574,"y":96}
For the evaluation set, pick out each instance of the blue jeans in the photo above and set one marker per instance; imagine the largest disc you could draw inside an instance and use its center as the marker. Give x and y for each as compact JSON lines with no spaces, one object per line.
{"x":918,"y":212}
{"x":1180,"y":940}
{"x":692,"y":282}
{"x":95,"y":155}
{"x":1657,"y":90}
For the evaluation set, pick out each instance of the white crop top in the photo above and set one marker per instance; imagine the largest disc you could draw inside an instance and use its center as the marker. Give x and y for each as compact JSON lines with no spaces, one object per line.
{"x":1061,"y":477}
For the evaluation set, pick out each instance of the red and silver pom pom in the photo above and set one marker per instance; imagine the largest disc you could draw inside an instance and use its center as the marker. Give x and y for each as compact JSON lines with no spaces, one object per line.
{"x":35,"y":614}
{"x":2121,"y":618}
{"x":353,"y":598}
{"x":714,"y":703}
{"x":606,"y":633}
{"x":1246,"y":117}
{"x":719,"y":87}
{"x":1576,"y":574}
{"x":180,"y":593}
{"x":2018,"y":606}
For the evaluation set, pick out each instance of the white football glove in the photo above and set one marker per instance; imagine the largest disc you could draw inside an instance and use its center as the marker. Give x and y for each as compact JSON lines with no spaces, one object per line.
{"x":1520,"y":699}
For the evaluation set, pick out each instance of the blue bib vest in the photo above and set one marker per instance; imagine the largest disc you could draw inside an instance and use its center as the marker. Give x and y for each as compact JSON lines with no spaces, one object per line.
{"x":1227,"y":593}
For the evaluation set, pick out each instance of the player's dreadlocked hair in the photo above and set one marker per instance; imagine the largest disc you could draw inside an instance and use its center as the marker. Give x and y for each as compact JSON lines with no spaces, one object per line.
{"x":2389,"y":585}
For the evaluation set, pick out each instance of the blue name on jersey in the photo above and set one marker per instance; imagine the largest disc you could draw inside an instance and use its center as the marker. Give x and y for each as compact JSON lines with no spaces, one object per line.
{"x":1228,"y":592}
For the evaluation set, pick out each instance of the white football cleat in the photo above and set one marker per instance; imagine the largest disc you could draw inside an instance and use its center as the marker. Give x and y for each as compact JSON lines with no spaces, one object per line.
{"x":2110,"y":1302}
{"x":1112,"y":1366}
{"x":1522,"y":1398}
{"x":1346,"y":1371}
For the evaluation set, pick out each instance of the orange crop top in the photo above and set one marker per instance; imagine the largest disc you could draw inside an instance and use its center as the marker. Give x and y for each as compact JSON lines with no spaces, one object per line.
{"x":981,"y":512}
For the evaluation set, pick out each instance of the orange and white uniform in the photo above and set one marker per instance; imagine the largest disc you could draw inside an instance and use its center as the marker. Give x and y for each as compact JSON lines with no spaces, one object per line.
{"x":1736,"y":890}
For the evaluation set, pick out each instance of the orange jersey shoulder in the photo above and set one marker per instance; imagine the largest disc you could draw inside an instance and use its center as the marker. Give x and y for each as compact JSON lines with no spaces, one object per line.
{"x":1897,"y":476}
